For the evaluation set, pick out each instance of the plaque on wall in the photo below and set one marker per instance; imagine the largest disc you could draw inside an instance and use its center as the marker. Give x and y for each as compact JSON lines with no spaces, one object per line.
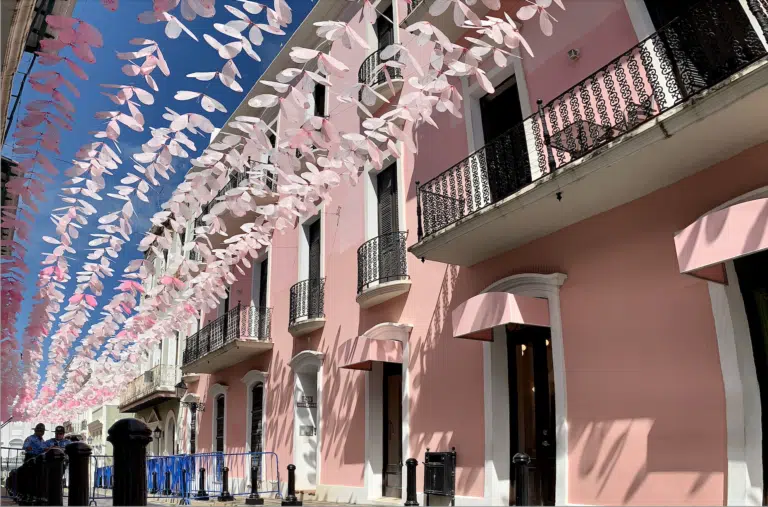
{"x":306,"y":402}
{"x":307,"y":431}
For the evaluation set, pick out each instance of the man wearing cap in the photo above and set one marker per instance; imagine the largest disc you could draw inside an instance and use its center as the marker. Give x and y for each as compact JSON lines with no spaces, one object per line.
{"x":58,"y":440}
{"x":34,"y":445}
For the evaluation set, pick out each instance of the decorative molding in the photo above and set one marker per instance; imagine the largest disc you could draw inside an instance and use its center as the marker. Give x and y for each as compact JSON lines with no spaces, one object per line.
{"x":306,"y":359}
{"x":497,"y":458}
{"x":389,"y":331}
{"x":253,"y":376}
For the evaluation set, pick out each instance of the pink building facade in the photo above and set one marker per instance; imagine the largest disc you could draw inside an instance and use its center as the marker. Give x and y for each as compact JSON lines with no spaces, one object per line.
{"x":580,"y":281}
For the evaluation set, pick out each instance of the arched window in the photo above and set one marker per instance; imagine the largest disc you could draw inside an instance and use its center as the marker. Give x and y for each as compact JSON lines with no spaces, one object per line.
{"x":257,"y":411}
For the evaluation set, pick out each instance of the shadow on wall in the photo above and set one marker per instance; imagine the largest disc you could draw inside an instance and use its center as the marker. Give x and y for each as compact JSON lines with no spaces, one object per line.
{"x":604,"y":443}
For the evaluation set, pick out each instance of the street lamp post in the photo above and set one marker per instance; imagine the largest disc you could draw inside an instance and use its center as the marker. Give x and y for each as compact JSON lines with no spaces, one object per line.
{"x":181,"y":390}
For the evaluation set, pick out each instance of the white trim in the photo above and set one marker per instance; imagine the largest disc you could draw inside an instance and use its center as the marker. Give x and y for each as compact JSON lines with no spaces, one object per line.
{"x":374,"y":405}
{"x":170,"y":417}
{"x":303,"y":246}
{"x":250,"y":379}
{"x":307,"y":362}
{"x":213,"y":392}
{"x":497,"y":426}
{"x":640,"y":19}
{"x":742,"y":393}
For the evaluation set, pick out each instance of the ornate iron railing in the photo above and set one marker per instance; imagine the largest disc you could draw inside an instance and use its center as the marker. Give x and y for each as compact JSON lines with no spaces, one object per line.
{"x":712,"y":42}
{"x":162,"y":377}
{"x":241,"y":322}
{"x":382,"y":259}
{"x":234,"y":181}
{"x":368,"y":75}
{"x":307,"y":300}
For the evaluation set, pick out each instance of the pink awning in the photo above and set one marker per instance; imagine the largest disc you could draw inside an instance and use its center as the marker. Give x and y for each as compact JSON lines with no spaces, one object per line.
{"x":723,"y":235}
{"x":477,"y":317}
{"x":360,"y":353}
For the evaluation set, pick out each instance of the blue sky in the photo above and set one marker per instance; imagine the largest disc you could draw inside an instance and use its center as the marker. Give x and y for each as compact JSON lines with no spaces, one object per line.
{"x":183,"y":55}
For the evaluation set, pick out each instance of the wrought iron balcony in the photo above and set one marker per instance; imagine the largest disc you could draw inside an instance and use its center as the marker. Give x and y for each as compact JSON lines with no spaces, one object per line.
{"x":307,"y":301}
{"x":150,"y":388}
{"x":234,"y":181}
{"x":368,"y":74}
{"x":382,"y":259}
{"x":239,"y":326}
{"x":688,"y":57}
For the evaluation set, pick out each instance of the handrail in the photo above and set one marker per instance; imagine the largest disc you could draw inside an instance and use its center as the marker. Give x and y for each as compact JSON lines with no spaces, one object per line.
{"x":661,"y":72}
{"x":382,"y":259}
{"x":162,"y":377}
{"x":249,"y":322}
{"x":307,"y":300}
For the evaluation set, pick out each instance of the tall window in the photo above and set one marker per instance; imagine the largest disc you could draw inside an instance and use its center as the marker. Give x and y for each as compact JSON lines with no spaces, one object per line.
{"x":257,"y":411}
{"x":319,"y":95}
{"x":220,"y":436}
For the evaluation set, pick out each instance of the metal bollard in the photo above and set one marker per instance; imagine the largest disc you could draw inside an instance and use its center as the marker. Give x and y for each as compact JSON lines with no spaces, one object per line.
{"x":129,"y":439}
{"x":410,"y":496}
{"x":167,"y":490}
{"x":79,"y":454}
{"x":201,"y":493}
{"x":521,"y":461}
{"x":54,"y":468}
{"x":254,"y":498}
{"x":290,"y":498}
{"x":154,"y":482}
{"x":225,"y":496}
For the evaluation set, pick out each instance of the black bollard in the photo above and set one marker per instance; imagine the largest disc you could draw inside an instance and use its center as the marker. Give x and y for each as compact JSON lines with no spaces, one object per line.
{"x":129,"y":439}
{"x":290,"y":498}
{"x":201,"y":493}
{"x":410,"y":484}
{"x":79,"y":454}
{"x":183,"y":488}
{"x":167,"y":490}
{"x":521,"y":461}
{"x":254,"y":498}
{"x":154,"y":482}
{"x":225,"y":496}
{"x":54,"y":467}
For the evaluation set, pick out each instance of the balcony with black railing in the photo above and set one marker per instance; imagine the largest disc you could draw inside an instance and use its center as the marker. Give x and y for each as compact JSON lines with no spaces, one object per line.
{"x":630,"y":128}
{"x":151,"y":388}
{"x":235,"y":180}
{"x":241,"y":333}
{"x":382,"y":269}
{"x":373,"y":73}
{"x":307,"y":306}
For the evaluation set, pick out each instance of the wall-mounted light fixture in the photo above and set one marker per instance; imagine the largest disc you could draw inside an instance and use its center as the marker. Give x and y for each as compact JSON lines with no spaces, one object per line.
{"x":574,"y":54}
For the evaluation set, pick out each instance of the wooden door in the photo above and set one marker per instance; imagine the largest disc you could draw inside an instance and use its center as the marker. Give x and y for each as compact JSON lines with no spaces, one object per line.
{"x":393,"y":427}
{"x":386,"y":189}
{"x":506,"y":152}
{"x":313,"y":293}
{"x":752,"y":272}
{"x":532,"y":410}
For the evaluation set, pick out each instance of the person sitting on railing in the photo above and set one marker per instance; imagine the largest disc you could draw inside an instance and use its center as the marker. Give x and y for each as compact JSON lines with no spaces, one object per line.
{"x":58,"y":440}
{"x":34,"y":445}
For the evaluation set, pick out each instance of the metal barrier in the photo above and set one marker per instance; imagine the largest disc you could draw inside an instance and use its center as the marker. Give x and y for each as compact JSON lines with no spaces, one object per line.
{"x":10,"y":460}
{"x":101,"y":478}
{"x":37,"y":480}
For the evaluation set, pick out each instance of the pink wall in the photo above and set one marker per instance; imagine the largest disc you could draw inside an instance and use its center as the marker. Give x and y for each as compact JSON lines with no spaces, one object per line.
{"x":645,"y":398}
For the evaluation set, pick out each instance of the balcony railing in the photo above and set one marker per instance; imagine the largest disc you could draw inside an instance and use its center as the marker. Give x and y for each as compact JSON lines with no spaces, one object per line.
{"x":368,"y":74}
{"x":307,"y":300}
{"x":241,"y":322}
{"x":382,"y":259}
{"x":712,"y":42}
{"x":234,"y":181}
{"x":162,"y":377}
{"x":412,"y":6}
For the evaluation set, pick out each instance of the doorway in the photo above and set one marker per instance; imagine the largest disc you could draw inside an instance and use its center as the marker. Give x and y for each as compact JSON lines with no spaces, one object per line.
{"x":219,"y":417}
{"x":752,"y":272}
{"x":389,"y":239}
{"x":532,"y":410}
{"x":506,"y":149}
{"x":315,"y":291}
{"x":306,"y":423}
{"x":392,"y":477}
